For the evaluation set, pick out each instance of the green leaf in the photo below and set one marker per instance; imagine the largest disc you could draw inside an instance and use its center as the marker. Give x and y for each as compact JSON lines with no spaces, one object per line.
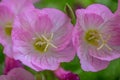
{"x":1,"y":54}
{"x":70,"y":13}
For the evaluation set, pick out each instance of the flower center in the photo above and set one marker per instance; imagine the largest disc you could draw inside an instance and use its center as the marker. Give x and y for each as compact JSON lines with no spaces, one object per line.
{"x":42,"y":43}
{"x":94,"y":38}
{"x":8,"y":28}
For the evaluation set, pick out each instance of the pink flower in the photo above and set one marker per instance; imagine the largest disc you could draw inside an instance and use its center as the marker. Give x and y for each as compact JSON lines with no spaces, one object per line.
{"x":6,"y":20}
{"x":17,"y":74}
{"x":96,"y":37}
{"x":65,"y":75}
{"x":11,"y":64}
{"x":18,"y":6}
{"x":8,"y":10}
{"x":118,"y":9}
{"x":42,"y":39}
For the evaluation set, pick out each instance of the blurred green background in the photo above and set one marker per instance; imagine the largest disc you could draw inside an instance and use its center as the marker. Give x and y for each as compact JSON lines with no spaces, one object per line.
{"x":59,"y":4}
{"x":110,"y":73}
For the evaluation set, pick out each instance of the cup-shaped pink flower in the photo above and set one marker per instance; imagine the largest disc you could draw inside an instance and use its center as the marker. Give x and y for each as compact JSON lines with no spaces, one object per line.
{"x":96,"y":37}
{"x":18,"y":74}
{"x":6,"y":20}
{"x":42,"y":39}
{"x":8,"y":10}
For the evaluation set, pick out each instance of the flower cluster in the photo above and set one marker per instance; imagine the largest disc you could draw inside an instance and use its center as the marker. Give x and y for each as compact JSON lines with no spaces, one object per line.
{"x":44,"y":38}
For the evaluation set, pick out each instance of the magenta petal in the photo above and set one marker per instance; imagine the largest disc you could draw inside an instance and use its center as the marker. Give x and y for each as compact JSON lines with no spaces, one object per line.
{"x":71,"y":76}
{"x":11,"y":64}
{"x":65,"y":75}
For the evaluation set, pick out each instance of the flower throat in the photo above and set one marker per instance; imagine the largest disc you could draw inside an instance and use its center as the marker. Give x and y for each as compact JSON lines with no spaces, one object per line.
{"x":94,"y":38}
{"x":42,"y":43}
{"x":8,"y":28}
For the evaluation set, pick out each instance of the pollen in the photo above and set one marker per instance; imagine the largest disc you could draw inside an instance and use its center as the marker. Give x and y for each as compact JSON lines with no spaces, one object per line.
{"x":97,"y":39}
{"x":42,"y":43}
{"x":92,"y":37}
{"x":104,"y":43}
{"x":8,"y":28}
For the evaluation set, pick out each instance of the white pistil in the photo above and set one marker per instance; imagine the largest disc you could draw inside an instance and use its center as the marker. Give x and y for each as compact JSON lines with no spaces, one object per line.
{"x":104,"y":43}
{"x":40,"y":43}
{"x":45,"y":41}
{"x":48,"y":42}
{"x":91,"y":38}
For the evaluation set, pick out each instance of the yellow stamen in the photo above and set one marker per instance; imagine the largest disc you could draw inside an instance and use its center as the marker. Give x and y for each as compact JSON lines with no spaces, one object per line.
{"x":42,"y":43}
{"x":104,"y":43}
{"x":8,"y":28}
{"x":91,"y":38}
{"x":48,"y":40}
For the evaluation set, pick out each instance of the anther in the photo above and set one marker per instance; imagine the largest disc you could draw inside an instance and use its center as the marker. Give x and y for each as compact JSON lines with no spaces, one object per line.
{"x":91,"y":38}
{"x":48,"y":41}
{"x":104,"y":43}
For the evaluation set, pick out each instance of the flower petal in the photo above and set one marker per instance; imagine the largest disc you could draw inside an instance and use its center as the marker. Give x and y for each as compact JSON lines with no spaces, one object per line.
{"x":110,"y":28}
{"x":118,"y":8}
{"x":24,"y":33}
{"x":10,"y":64}
{"x":87,"y":20}
{"x":62,"y":27}
{"x":100,"y":10}
{"x":6,"y":16}
{"x":46,"y":60}
{"x":65,"y":55}
{"x":90,"y":63}
{"x":105,"y":54}
{"x":20,"y":74}
{"x":18,"y":6}
{"x":43,"y":25}
{"x":22,"y":47}
{"x":57,"y":17}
